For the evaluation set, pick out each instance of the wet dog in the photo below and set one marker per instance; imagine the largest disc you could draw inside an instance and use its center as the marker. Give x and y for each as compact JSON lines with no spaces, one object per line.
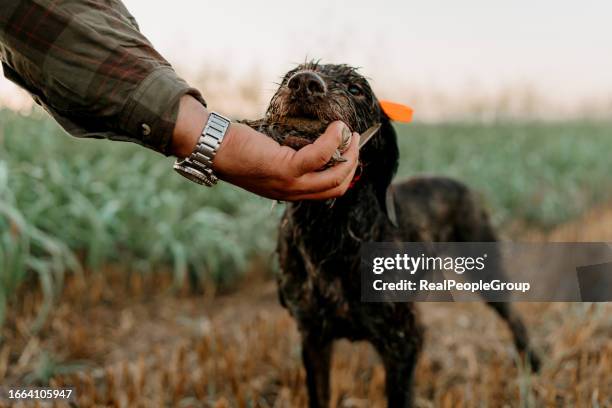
{"x":319,"y":244}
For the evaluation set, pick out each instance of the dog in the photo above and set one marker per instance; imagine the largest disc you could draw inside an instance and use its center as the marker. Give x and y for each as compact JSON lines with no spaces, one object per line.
{"x":319,"y":244}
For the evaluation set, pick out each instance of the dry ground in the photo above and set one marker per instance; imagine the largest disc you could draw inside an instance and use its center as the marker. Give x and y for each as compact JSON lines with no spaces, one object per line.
{"x":132,"y":344}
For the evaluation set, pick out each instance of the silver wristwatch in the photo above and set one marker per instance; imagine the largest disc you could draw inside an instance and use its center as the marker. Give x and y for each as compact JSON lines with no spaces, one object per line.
{"x":197,"y":167}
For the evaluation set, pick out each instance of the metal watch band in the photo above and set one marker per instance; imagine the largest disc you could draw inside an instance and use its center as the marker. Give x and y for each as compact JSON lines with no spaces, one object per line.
{"x":197,"y":167}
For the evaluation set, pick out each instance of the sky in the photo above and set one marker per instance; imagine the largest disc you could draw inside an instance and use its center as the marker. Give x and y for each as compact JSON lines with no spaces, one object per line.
{"x":412,"y":51}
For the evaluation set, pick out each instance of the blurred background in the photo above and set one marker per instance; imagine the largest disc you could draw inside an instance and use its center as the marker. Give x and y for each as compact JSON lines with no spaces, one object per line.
{"x":448,"y":59}
{"x":153,"y":291}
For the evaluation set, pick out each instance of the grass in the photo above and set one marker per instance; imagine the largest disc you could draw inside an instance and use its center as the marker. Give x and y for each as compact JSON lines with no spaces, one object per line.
{"x":243,"y":350}
{"x":69,"y":207}
{"x":114,"y":203}
{"x":68,"y":204}
{"x":542,"y":174}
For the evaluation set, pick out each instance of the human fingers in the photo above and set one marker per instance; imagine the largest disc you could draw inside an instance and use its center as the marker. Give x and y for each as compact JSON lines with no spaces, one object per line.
{"x":314,"y":156}
{"x":332,"y":182}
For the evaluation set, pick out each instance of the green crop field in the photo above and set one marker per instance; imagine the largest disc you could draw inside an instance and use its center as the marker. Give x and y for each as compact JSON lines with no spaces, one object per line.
{"x":67,"y":205}
{"x":540,"y":173}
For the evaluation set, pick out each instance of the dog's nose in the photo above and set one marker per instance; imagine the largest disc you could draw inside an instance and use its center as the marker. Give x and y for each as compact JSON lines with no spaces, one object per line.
{"x":307,"y":83}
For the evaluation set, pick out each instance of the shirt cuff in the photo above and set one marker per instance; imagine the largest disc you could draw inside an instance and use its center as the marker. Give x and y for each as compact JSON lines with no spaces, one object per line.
{"x":150,"y":114}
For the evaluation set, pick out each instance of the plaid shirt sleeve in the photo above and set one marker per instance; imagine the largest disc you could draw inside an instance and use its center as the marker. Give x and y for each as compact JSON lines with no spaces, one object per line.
{"x":89,"y":66}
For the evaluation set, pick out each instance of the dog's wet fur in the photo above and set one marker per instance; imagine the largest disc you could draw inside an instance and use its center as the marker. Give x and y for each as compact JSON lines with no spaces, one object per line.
{"x":319,"y":245}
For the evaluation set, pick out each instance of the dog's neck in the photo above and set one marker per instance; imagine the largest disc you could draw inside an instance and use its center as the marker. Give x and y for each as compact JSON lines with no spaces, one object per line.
{"x":357,"y":215}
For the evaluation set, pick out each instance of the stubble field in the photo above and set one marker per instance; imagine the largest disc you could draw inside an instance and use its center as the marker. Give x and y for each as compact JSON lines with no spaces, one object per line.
{"x":107,"y":283}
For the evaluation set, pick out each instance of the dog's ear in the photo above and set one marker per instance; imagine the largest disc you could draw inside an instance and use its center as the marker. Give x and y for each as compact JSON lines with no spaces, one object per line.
{"x":384,"y":160}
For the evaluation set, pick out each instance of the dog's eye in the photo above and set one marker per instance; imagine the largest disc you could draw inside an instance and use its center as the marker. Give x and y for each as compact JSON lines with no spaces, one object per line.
{"x":355,"y":90}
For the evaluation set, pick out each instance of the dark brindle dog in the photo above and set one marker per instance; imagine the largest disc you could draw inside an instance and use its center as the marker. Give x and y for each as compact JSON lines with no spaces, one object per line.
{"x":319,"y":244}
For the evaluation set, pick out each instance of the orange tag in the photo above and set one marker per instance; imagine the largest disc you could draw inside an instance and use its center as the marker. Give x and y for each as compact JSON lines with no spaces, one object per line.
{"x":397,"y":111}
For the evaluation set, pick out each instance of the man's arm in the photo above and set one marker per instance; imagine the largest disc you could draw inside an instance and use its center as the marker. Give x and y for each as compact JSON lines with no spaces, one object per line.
{"x":92,"y":70}
{"x":258,"y":164}
{"x":89,"y":66}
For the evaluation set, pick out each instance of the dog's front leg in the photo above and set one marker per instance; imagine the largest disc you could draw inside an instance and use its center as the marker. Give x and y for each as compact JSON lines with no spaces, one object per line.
{"x":316,"y":354}
{"x":399,"y":371}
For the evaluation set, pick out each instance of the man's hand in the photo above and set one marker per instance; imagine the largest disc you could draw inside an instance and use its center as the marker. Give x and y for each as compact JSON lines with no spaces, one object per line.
{"x":257,"y":163}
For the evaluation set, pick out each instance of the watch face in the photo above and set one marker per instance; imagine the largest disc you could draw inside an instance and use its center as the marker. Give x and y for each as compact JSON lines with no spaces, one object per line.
{"x":193,"y":175}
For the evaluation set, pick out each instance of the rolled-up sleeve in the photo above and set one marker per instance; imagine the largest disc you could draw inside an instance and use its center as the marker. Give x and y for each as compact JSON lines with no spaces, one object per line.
{"x":89,"y":66}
